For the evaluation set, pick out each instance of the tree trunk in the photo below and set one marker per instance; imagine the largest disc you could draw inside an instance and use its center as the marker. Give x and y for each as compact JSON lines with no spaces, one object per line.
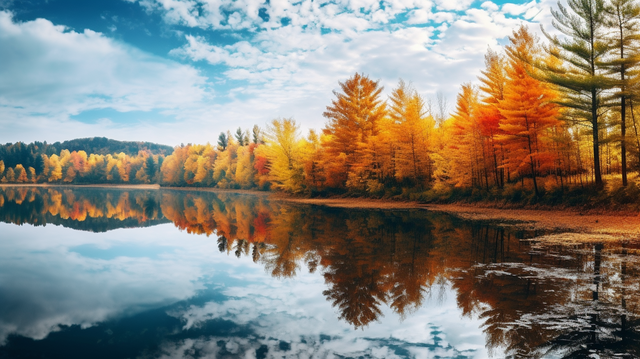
{"x":623,"y":140}
{"x":596,"y":142}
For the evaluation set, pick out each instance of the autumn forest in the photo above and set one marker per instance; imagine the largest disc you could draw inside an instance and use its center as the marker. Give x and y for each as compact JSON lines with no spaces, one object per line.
{"x":551,"y":119}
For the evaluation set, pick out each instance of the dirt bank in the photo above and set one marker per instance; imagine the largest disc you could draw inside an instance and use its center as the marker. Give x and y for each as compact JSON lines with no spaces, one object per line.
{"x":363,"y":203}
{"x":616,"y":224}
{"x":609,"y":226}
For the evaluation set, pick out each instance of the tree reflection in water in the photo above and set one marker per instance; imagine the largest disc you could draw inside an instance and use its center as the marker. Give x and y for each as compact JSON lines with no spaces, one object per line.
{"x":570,"y":300}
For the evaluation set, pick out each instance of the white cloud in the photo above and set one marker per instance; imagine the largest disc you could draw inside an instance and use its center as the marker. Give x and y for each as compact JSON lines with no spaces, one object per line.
{"x":290,"y":70}
{"x":272,"y":70}
{"x":50,"y":69}
{"x":53,"y":72}
{"x":488,"y":5}
{"x":518,"y":9}
{"x":422,"y":16}
{"x":65,"y":288}
{"x":457,"y":5}
{"x":52,"y":283}
{"x":419,"y":16}
{"x":230,"y":14}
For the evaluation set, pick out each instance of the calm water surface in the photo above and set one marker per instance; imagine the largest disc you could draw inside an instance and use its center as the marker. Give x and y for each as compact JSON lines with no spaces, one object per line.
{"x":107,"y":273}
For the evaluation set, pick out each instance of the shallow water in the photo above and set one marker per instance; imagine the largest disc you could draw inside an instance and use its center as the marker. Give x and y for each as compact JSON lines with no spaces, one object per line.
{"x":108,"y":273}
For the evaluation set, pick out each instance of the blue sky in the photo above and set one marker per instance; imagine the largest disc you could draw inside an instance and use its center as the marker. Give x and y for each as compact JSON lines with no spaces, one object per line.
{"x":182,"y":71}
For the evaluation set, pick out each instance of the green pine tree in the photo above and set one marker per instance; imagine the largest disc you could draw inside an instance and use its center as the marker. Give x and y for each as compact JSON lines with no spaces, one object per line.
{"x":623,"y":21}
{"x":583,"y":77}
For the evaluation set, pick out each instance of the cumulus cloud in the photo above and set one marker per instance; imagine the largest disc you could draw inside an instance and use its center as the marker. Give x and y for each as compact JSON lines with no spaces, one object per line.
{"x":245,"y":14}
{"x":518,"y":9}
{"x":65,"y":288}
{"x":488,"y":5}
{"x":457,"y":5}
{"x":285,"y":62}
{"x":48,"y":68}
{"x":49,"y":71}
{"x":302,"y":60}
{"x":290,"y":70}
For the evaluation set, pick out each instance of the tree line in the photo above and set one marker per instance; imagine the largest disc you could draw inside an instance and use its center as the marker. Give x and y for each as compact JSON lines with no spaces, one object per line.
{"x":546,"y":116}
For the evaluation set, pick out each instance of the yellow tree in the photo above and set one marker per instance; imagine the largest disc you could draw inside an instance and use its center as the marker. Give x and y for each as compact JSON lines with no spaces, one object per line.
{"x":20,"y":174}
{"x":96,"y":168}
{"x":466,"y":142}
{"x":225,"y":165}
{"x":112,"y":172}
{"x":286,"y":170}
{"x":32,"y":174}
{"x":124,"y":166}
{"x":70,"y":175}
{"x":172,"y":168}
{"x":55,"y":172}
{"x":199,"y":164}
{"x":312,"y":160}
{"x":65,"y":158}
{"x":11,"y":175}
{"x":353,"y":117}
{"x":413,"y":129}
{"x":141,"y":175}
{"x":377,"y":163}
{"x":245,"y":171}
{"x":493,"y":84}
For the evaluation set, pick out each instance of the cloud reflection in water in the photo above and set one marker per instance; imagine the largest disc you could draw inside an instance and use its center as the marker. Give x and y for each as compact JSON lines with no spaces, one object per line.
{"x":48,"y":284}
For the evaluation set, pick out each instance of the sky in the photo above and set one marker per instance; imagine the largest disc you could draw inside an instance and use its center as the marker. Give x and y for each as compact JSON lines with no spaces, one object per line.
{"x":182,"y":71}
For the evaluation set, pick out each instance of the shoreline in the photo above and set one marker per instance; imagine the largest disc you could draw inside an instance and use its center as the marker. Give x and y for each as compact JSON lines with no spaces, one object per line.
{"x":589,"y":227}
{"x":139,"y":187}
{"x":608,"y":226}
{"x":619,"y":225}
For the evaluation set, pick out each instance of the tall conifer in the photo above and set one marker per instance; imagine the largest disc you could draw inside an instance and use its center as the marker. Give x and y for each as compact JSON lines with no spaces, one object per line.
{"x":583,"y":78}
{"x":623,"y":21}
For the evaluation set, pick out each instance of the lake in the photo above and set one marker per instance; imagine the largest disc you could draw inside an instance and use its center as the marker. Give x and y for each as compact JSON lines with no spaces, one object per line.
{"x":114,"y":273}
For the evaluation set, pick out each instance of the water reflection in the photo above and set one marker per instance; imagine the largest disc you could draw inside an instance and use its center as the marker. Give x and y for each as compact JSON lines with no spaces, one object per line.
{"x":533,"y":300}
{"x":80,"y":208}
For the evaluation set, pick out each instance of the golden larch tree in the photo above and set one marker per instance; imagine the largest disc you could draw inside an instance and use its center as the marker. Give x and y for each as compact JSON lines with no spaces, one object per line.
{"x":353,"y":118}
{"x":528,"y":111}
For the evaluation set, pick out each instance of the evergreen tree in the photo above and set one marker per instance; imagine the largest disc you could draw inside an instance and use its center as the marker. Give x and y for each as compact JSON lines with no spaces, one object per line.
{"x":623,"y":20}
{"x":240,"y":137}
{"x":151,"y":167}
{"x":257,"y":135}
{"x":223,"y":141}
{"x":583,"y":79}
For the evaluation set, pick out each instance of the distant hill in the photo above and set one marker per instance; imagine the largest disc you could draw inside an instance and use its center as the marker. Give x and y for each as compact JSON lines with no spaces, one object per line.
{"x":105,"y":146}
{"x":29,"y":154}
